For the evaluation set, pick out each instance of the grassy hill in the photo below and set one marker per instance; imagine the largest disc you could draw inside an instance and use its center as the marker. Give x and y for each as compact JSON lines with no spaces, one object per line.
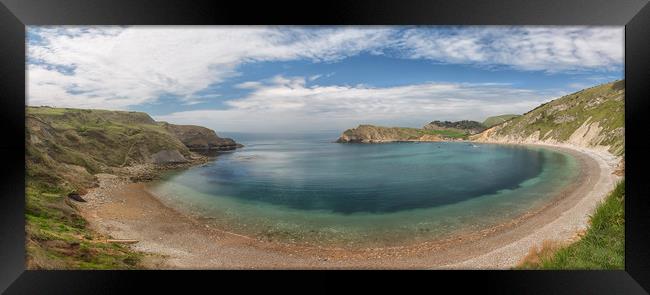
{"x":602,"y":246}
{"x":64,"y":149}
{"x":376,"y":134}
{"x":464,"y":126}
{"x":433,"y":131}
{"x":59,"y":238}
{"x":495,"y":120}
{"x":593,"y":117}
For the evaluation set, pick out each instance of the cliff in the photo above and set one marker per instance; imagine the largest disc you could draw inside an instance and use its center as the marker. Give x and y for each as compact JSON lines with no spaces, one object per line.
{"x":200,"y":138}
{"x":592,"y":118}
{"x":68,"y":146}
{"x":378,"y":134}
{"x":65,"y":149}
{"x":434,"y":131}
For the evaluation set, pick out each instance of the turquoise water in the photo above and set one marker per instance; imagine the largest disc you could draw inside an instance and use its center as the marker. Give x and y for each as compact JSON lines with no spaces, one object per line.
{"x":311,"y":190}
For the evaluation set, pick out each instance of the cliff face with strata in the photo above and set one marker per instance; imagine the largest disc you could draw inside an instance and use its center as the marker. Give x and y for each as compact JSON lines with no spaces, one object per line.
{"x":592,"y":118}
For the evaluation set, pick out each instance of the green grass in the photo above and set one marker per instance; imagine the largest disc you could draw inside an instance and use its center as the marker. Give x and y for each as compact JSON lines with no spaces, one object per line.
{"x":603,"y":245}
{"x":58,"y":238}
{"x":495,"y":120}
{"x":65,"y":147}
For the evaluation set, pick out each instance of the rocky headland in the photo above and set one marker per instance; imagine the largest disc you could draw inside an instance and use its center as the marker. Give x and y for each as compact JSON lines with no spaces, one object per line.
{"x":434,"y":131}
{"x":592,"y":118}
{"x":199,"y":138}
{"x":66,"y":150}
{"x":68,"y":146}
{"x":464,"y":126}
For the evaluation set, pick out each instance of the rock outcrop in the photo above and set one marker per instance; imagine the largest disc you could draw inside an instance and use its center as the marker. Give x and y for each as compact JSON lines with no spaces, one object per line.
{"x":68,"y":146}
{"x":469,"y":127}
{"x":200,"y":138}
{"x":168,"y":157}
{"x":69,"y":151}
{"x":378,"y":134}
{"x":434,"y":131}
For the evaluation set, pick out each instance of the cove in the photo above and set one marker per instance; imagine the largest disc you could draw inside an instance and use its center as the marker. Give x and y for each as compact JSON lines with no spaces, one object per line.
{"x":311,"y":190}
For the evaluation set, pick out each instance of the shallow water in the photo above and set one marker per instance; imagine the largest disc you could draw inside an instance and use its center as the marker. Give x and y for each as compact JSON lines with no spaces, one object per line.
{"x":310,"y":190}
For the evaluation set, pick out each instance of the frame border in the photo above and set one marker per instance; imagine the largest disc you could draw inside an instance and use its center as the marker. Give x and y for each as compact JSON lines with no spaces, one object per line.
{"x":15,"y":15}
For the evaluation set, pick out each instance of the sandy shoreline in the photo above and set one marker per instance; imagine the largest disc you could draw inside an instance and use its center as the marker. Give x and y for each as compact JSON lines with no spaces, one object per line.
{"x":127,"y":211}
{"x":568,"y":224}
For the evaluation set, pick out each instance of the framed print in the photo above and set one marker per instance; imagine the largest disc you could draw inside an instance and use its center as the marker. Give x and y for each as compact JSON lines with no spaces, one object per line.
{"x":499,"y":142}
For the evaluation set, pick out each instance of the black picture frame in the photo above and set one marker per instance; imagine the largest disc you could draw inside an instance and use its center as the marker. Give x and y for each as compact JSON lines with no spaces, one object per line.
{"x":633,"y":14}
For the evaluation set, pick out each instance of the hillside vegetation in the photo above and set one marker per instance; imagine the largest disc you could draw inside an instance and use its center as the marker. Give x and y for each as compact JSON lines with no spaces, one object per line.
{"x":464,"y":126}
{"x":65,"y":148}
{"x":59,"y":238}
{"x":434,"y":131}
{"x":379,"y":134}
{"x":593,"y":117}
{"x":602,"y":246}
{"x":496,"y":120}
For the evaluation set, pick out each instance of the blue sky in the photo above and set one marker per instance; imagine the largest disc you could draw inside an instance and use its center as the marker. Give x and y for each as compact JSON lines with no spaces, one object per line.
{"x":269,"y":79}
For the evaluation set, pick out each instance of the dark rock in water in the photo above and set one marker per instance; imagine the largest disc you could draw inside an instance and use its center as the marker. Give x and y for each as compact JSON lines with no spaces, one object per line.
{"x":76,"y":197}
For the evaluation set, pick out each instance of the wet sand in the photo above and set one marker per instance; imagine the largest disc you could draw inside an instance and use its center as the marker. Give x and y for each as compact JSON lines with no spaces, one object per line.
{"x":128,"y":211}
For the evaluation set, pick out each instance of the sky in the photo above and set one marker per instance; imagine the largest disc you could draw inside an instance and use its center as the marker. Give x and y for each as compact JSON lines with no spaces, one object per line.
{"x":316,"y":78}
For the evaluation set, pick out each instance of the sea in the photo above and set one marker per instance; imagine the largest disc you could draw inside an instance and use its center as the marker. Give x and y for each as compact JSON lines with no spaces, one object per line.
{"x":307,"y":189}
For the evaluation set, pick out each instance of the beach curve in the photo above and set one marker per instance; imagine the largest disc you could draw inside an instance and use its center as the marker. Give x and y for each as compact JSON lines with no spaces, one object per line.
{"x":126,"y":210}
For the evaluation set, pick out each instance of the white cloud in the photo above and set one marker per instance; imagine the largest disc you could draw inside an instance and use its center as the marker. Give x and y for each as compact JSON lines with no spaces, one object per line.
{"x":551,"y":49}
{"x":288,"y":104}
{"x":117,"y":67}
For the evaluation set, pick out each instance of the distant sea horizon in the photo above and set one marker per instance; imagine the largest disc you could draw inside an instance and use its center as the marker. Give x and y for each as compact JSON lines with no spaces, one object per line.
{"x":248,"y":136}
